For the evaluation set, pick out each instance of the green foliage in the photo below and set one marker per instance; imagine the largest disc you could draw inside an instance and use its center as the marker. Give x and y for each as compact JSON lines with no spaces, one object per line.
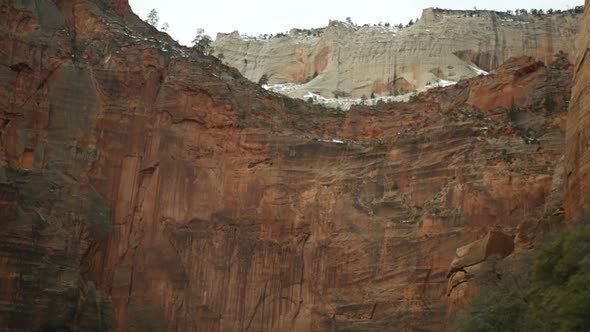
{"x":560,"y":292}
{"x":380,"y":147}
{"x":263,"y":79}
{"x":557,"y":300}
{"x":503,"y":310}
{"x":153,"y":18}
{"x":513,"y":112}
{"x":551,"y":210}
{"x":202,"y":42}
{"x":549,"y":102}
{"x":290,"y":105}
{"x":561,"y":61}
{"x":372,"y":95}
{"x":363,"y":99}
{"x":340,"y":93}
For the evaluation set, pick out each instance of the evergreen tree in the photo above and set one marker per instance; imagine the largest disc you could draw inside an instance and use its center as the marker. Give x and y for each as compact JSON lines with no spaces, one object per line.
{"x":263,"y":80}
{"x":202,"y":42}
{"x":153,"y":18}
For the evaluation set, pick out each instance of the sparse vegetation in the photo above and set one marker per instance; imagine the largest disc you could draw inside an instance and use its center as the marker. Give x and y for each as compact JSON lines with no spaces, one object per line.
{"x":560,"y":277}
{"x":561,"y":61}
{"x":340,"y":94}
{"x":549,"y":211}
{"x":380,"y":147}
{"x":514,"y":111}
{"x":504,"y":309}
{"x":202,"y":42}
{"x":263,"y":79}
{"x":363,"y":99}
{"x":551,"y":11}
{"x":549,"y":102}
{"x":153,"y":18}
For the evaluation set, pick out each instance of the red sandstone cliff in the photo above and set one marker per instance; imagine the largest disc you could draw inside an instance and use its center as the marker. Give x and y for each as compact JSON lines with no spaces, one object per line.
{"x":577,"y":162}
{"x":143,"y":185}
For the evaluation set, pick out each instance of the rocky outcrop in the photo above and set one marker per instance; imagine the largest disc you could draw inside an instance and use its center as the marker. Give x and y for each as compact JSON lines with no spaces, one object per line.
{"x":475,"y":261}
{"x":577,"y":161}
{"x":443,"y":45}
{"x":146,"y":186}
{"x":495,"y":243}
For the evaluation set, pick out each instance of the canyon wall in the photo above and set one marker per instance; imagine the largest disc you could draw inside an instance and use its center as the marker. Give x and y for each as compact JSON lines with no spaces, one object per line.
{"x":443,"y":45}
{"x":577,"y":191}
{"x":145,"y":186}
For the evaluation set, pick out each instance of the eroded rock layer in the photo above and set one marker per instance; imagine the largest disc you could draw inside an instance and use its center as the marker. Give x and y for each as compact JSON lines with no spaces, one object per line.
{"x":147,"y":187}
{"x":443,"y":45}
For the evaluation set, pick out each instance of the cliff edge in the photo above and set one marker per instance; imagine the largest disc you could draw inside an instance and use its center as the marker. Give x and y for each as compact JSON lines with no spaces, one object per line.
{"x":446,"y":45}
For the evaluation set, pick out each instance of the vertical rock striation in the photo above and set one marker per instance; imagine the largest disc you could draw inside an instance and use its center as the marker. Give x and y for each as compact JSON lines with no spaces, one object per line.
{"x":444,"y":45}
{"x":146,"y":186}
{"x":577,"y":162}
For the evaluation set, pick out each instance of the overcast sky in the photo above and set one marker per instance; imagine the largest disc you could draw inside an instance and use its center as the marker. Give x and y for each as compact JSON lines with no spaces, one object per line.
{"x":267,"y":16}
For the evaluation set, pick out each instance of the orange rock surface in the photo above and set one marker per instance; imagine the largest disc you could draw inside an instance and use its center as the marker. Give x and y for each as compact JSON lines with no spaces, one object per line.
{"x":577,"y":160}
{"x":144,"y":185}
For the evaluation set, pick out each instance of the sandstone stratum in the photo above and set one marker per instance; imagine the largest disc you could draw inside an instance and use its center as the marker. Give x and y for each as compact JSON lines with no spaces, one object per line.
{"x":145,"y":186}
{"x":444,"y":45}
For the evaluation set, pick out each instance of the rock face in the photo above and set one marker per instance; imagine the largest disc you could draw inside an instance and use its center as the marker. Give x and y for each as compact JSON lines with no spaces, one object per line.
{"x":474,"y":260}
{"x":495,"y":243}
{"x":443,"y":45}
{"x":577,"y":162}
{"x":147,"y":187}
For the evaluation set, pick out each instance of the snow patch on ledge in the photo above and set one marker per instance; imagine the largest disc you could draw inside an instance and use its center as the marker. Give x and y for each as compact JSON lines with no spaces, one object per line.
{"x":437,"y":84}
{"x":331,"y":140}
{"x":281,"y":88}
{"x":478,"y":70}
{"x":344,"y":103}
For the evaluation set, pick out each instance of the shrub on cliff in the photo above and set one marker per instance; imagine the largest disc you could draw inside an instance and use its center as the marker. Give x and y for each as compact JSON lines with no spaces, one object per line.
{"x":503,"y":309}
{"x":202,"y":42}
{"x":263,"y":79}
{"x":560,"y":276}
{"x":153,"y":18}
{"x":557,"y":300}
{"x":561,"y":61}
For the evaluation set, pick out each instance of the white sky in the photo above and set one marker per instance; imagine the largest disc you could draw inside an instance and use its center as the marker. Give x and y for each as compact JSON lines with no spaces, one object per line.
{"x":267,"y":16}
